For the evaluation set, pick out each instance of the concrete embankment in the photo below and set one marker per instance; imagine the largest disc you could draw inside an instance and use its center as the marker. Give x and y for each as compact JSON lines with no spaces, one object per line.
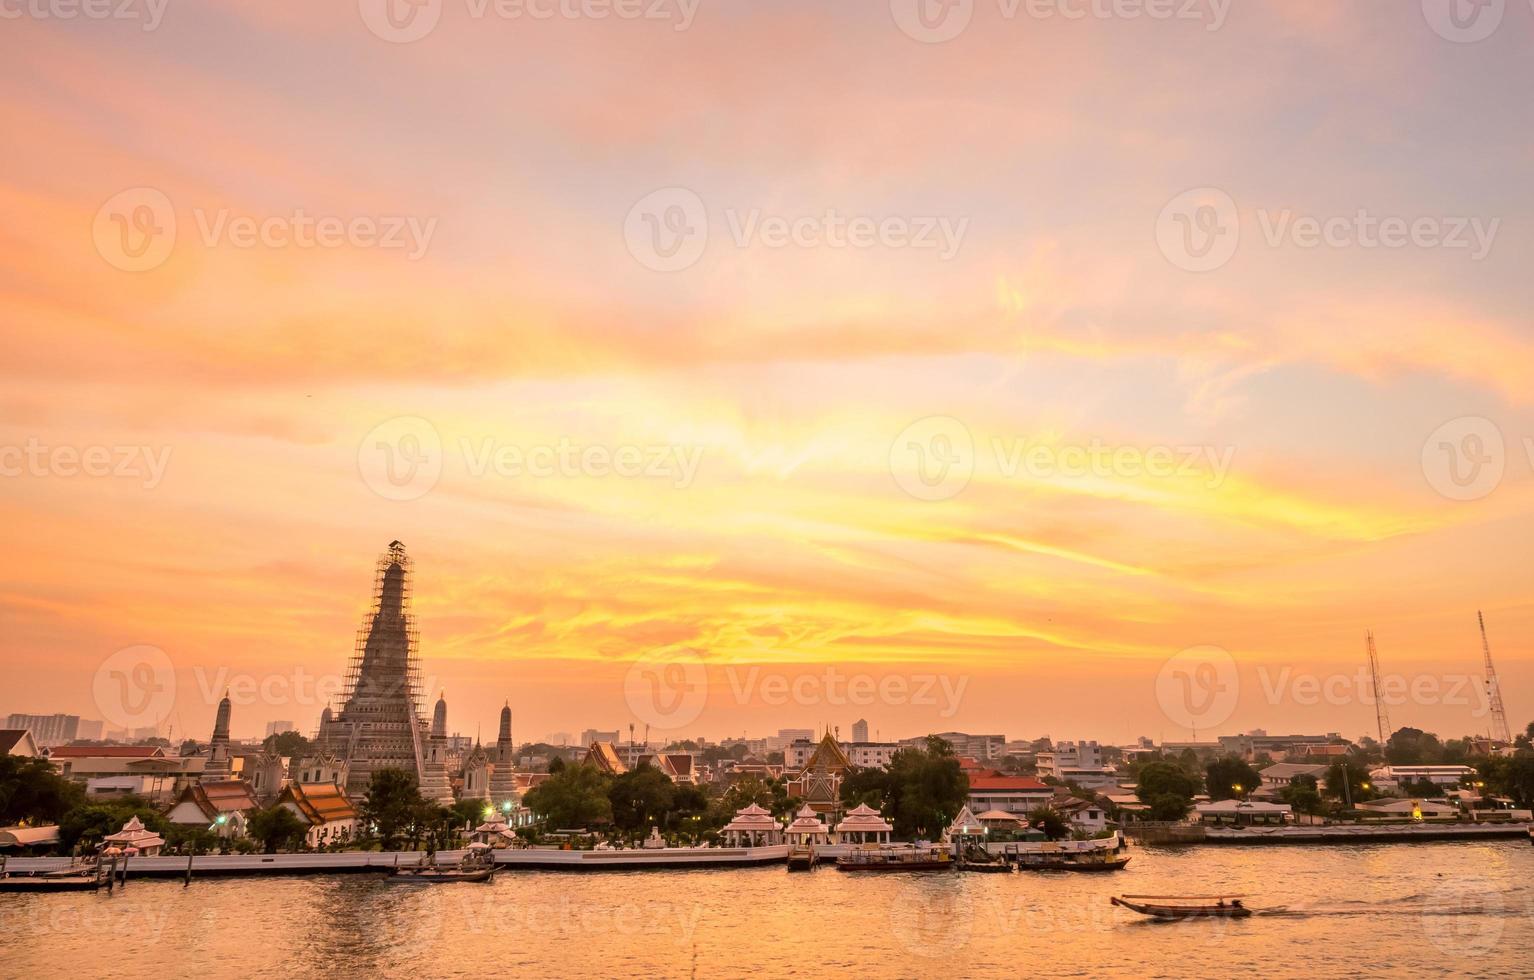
{"x":1353,"y":834}
{"x":376,"y":862}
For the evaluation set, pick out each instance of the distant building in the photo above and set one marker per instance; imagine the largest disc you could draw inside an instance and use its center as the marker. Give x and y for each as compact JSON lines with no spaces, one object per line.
{"x":979,"y":746}
{"x":860,"y":730}
{"x":591,"y":735}
{"x":1281,"y":747}
{"x":1017,"y":795}
{"x":278,"y":727}
{"x":1077,"y":762}
{"x":47,"y":730}
{"x":89,"y":730}
{"x":1390,"y":778}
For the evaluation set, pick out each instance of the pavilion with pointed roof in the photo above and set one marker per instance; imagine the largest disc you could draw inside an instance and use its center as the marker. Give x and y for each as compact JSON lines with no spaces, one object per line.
{"x":134,"y":838}
{"x":864,"y":825}
{"x":807,"y":828}
{"x":752,"y":826}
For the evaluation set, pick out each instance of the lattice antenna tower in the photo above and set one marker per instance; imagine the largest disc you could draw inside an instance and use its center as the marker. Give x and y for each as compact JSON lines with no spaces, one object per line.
{"x":1499,"y":727}
{"x":1381,"y":712}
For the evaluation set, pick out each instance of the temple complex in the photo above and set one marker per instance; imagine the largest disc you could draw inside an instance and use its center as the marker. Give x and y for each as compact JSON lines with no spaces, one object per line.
{"x":819,"y":783}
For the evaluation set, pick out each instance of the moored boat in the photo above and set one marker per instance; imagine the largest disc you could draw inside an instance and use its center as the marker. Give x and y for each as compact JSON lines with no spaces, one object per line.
{"x":432,"y":876}
{"x":1184,"y":907}
{"x":1056,"y":863}
{"x":73,"y":880}
{"x":895,"y":858}
{"x":801,"y":858}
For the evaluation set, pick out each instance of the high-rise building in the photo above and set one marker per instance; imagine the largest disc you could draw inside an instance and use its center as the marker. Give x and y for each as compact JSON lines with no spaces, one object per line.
{"x":860,"y":730}
{"x":380,"y":725}
{"x":47,"y":730}
{"x":89,"y":730}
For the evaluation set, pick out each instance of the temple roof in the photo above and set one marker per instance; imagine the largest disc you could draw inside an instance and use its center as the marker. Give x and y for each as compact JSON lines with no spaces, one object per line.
{"x":828,"y":755}
{"x":752,"y":818}
{"x":864,"y":818}
{"x":320,"y":802}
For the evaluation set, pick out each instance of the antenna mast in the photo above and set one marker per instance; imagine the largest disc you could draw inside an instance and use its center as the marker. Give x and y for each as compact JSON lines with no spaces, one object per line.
{"x":1381,"y":713}
{"x":1499,"y":727}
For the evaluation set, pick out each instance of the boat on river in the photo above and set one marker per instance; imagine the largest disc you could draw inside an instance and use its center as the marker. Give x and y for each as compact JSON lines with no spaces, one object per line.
{"x":1184,"y":906}
{"x":1056,"y":862}
{"x":802,"y":857}
{"x":476,"y":865}
{"x":895,"y":858}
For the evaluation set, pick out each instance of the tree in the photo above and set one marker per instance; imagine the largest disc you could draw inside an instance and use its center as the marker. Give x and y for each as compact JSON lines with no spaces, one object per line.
{"x":30,"y":789}
{"x":288,"y":744}
{"x":1353,"y":777}
{"x":1413,"y":747}
{"x":574,"y":797}
{"x":556,"y":764}
{"x":391,"y":805}
{"x":1303,"y":796}
{"x":88,"y":823}
{"x":1049,"y":820}
{"x":1231,"y":778}
{"x":1512,"y":778}
{"x":1169,"y":806}
{"x":927,"y":789}
{"x":1161,"y":778}
{"x":276,"y":826}
{"x":641,"y":798}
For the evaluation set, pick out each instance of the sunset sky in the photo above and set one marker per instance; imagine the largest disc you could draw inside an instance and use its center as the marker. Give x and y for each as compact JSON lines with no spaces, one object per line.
{"x":1314,"y":389}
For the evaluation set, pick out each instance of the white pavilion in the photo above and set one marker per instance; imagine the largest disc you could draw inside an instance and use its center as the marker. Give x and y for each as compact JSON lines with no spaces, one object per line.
{"x":864,"y":825}
{"x":807,"y":828}
{"x":752,"y":827}
{"x":134,"y":839}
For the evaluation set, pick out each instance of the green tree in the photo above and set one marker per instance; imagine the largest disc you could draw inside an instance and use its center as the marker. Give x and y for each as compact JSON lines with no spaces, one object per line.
{"x":1226,"y":774}
{"x":88,"y":823}
{"x":288,"y":744}
{"x":1303,"y":795}
{"x":1050,"y":821}
{"x":391,"y":805}
{"x":1169,"y":806}
{"x":641,"y":798}
{"x":1354,"y":777}
{"x":556,"y":764}
{"x":31,"y":790}
{"x":1512,"y":778}
{"x":276,"y":826}
{"x":1162,"y":778}
{"x":1413,"y":747}
{"x":574,"y":797}
{"x":927,"y":789}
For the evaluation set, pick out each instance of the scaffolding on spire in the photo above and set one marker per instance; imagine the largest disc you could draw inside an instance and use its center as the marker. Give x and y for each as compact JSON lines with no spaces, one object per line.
{"x":1499,"y":726}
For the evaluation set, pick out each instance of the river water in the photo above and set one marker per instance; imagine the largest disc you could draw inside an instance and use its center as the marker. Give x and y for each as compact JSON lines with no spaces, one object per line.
{"x":1372,"y":911}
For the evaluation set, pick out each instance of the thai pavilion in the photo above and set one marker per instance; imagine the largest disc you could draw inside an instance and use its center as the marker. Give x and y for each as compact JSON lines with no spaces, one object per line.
{"x":807,"y":828}
{"x":134,"y":839}
{"x":864,"y":825}
{"x":752,"y":827}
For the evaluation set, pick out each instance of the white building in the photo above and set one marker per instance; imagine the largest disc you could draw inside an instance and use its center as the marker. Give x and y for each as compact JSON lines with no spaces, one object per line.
{"x":1017,"y":795}
{"x":1391,"y":777}
{"x":1078,"y":762}
{"x":860,"y":730}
